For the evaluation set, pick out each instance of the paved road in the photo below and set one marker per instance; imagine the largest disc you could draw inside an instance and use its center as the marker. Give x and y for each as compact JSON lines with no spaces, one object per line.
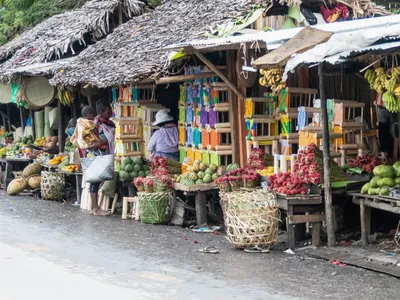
{"x":49,"y":250}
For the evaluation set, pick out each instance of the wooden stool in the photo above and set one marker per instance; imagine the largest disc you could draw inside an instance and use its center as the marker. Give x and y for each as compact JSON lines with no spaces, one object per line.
{"x":134,"y":212}
{"x":104,"y":202}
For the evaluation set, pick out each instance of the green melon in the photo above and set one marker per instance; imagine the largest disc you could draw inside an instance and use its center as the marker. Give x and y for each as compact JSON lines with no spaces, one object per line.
{"x":129,"y":168}
{"x":142,"y":173}
{"x":123,"y":175}
{"x":137,"y":160}
{"x":127,"y":161}
{"x":137,"y":167}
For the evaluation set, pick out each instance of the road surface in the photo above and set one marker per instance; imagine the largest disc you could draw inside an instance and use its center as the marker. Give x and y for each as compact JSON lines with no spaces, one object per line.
{"x":50,"y":250}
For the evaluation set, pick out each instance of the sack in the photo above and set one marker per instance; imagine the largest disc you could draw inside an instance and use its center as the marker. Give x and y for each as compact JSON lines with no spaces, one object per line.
{"x":98,"y":168}
{"x":309,"y":16}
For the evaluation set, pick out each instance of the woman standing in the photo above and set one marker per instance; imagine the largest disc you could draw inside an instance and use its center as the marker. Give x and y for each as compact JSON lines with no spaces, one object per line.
{"x":164,"y":141}
{"x":106,"y":131}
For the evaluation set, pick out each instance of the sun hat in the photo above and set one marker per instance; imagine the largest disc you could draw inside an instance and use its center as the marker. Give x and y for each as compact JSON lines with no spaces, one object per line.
{"x":162,"y":117}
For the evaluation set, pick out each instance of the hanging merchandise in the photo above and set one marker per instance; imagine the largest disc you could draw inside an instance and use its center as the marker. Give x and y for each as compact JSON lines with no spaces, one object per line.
{"x":248,"y":108}
{"x":212,"y":117}
{"x":39,"y":123}
{"x":182,"y":114}
{"x":182,"y":94}
{"x":189,"y":114}
{"x":189,"y":135}
{"x":196,"y":137}
{"x":135,"y":94}
{"x":206,"y":157}
{"x":204,"y":117}
{"x":214,"y":96}
{"x":272,"y":79}
{"x":283,"y":100}
{"x":182,"y":135}
{"x":189,"y":98}
{"x":301,"y":118}
{"x":14,"y":93}
{"x":114,"y":92}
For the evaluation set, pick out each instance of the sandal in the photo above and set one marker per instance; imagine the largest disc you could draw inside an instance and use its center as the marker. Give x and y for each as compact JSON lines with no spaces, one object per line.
{"x":256,"y":249}
{"x":209,"y":249}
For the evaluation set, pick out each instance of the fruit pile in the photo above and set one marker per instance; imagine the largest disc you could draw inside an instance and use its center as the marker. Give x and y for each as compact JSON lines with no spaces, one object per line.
{"x":387,"y":84}
{"x":367,"y":162}
{"x":69,"y":146}
{"x":57,"y":160}
{"x":71,"y":168}
{"x":268,"y":171}
{"x":198,"y":173}
{"x":165,"y":166}
{"x":49,"y":142}
{"x":239,"y":178}
{"x":287,"y":183}
{"x":272,"y":79}
{"x":131,"y":168}
{"x":384,"y":178}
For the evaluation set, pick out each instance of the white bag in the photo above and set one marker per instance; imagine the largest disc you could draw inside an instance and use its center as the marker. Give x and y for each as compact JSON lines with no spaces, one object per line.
{"x":98,"y":168}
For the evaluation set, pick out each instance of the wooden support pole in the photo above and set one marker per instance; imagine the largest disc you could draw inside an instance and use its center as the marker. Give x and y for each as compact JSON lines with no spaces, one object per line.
{"x":4,"y":119}
{"x":8,"y":117}
{"x":364,"y":236}
{"x":326,"y":153}
{"x":120,"y":16}
{"x":209,"y":64}
{"x":60,"y":128}
{"x":21,"y":116}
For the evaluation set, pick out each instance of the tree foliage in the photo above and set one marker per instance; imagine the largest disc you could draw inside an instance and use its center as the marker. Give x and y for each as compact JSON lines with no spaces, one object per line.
{"x":19,"y":15}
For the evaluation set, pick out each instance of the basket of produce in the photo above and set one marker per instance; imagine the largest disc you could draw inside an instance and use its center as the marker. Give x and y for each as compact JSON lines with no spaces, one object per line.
{"x":155,"y":207}
{"x":52,"y":185}
{"x":251,"y":218}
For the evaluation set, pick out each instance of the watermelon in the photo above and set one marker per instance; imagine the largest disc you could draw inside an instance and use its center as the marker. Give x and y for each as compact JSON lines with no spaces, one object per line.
{"x":142,"y":173}
{"x":129,"y":168}
{"x":137,"y":161}
{"x":123,"y":175}
{"x":137,"y":167}
{"x":126,"y":161}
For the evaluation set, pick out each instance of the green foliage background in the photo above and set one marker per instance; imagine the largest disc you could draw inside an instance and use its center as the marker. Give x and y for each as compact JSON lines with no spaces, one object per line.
{"x":18,"y":15}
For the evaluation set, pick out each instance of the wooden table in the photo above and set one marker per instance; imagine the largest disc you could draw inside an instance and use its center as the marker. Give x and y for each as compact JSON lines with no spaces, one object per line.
{"x":295,"y":207}
{"x":9,"y":167}
{"x":367,"y":202}
{"x":200,"y":192}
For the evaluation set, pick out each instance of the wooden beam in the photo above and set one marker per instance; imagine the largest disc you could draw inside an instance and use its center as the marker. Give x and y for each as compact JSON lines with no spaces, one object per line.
{"x":209,"y":64}
{"x":326,"y":153}
{"x":120,"y":17}
{"x":233,"y":108}
{"x":301,"y":219}
{"x":21,"y":116}
{"x":182,"y":78}
{"x":60,"y":128}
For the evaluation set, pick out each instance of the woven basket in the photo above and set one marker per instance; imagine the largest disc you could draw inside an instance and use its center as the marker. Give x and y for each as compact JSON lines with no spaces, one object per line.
{"x":5,"y":93}
{"x":52,"y":186}
{"x":155,"y":207}
{"x":38,"y":92}
{"x":251,"y":218}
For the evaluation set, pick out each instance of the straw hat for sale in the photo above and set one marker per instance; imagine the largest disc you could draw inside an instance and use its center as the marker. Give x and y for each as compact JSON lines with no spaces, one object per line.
{"x":162,"y":117}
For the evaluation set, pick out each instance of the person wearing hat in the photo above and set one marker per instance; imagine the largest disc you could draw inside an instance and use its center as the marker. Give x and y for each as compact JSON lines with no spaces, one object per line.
{"x":164,"y":141}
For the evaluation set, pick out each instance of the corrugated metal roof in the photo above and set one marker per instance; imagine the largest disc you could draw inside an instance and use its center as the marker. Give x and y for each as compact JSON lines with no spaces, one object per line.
{"x":341,"y":45}
{"x":274,"y":39}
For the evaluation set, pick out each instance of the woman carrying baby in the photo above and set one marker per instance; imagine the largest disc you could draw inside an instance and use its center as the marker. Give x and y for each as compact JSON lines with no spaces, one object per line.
{"x":100,"y":143}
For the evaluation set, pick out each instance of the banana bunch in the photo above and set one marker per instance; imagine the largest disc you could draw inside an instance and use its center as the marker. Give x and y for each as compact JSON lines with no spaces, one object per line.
{"x":380,"y":80}
{"x":65,"y":97}
{"x":370,"y":75}
{"x":392,"y":103}
{"x":273,"y":79}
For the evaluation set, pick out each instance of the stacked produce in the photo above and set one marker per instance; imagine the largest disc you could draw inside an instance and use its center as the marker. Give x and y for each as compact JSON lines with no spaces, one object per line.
{"x":198,"y":173}
{"x":150,"y":184}
{"x":268,"y":171}
{"x":272,"y":79}
{"x":30,"y":178}
{"x":57,"y":160}
{"x":132,"y":168}
{"x":165,"y":166}
{"x":238,"y":178}
{"x":386,"y":83}
{"x":367,"y":162}
{"x":49,"y":142}
{"x":310,"y":167}
{"x":385,"y":177}
{"x":69,"y":147}
{"x":6,"y":137}
{"x":288,"y":184}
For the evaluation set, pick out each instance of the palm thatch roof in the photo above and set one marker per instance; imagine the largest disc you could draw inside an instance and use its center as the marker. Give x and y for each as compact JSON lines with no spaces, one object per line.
{"x":57,"y":36}
{"x":134,"y":51}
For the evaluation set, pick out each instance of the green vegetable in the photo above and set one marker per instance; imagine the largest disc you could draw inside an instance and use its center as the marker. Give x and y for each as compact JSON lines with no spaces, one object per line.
{"x":123,"y":175}
{"x":365,"y":188}
{"x":207,"y":178}
{"x":374,"y":182}
{"x":137,"y":160}
{"x":385,"y":171}
{"x":374,"y":191}
{"x":137,"y":167}
{"x":384,"y":191}
{"x":386,"y":182}
{"x":129,"y":168}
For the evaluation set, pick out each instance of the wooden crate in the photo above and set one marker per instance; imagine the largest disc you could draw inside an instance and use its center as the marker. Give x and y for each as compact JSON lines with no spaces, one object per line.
{"x":128,"y":128}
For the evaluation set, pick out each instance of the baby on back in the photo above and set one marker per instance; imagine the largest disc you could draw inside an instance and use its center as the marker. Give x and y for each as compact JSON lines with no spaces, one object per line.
{"x":85,"y":135}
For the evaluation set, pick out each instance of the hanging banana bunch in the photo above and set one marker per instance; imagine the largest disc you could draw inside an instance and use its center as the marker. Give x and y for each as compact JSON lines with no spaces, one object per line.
{"x":272,"y":79}
{"x":65,"y":96}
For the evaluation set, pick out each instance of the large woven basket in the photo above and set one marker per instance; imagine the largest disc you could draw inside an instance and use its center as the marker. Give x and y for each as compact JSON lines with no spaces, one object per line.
{"x":52,"y":186}
{"x":5,"y":93}
{"x":251,"y":218}
{"x":155,"y":207}
{"x":38,"y":92}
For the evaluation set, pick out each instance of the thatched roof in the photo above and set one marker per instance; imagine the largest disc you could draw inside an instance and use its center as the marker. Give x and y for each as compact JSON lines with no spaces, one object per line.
{"x":134,"y":50}
{"x":58,"y":35}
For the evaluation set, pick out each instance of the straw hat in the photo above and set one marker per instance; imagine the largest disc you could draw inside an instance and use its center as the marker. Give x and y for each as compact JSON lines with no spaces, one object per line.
{"x":162,"y":117}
